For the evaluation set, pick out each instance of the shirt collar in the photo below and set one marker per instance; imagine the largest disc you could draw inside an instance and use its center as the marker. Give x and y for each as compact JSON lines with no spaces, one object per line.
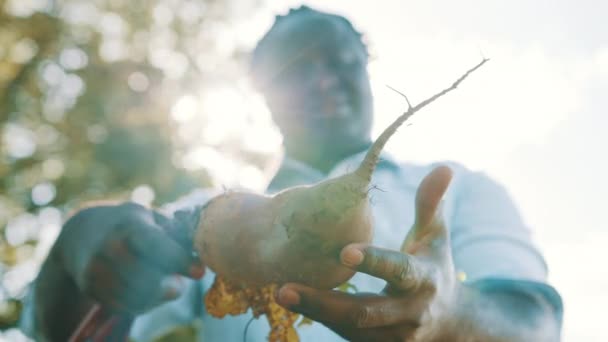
{"x":294,"y":172}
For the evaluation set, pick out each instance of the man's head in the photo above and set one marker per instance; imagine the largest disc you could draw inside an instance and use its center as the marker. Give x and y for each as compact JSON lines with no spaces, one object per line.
{"x":312,"y":69}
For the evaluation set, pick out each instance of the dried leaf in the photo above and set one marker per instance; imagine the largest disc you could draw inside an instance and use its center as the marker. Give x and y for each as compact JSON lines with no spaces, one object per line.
{"x":228,"y":299}
{"x":223,"y":299}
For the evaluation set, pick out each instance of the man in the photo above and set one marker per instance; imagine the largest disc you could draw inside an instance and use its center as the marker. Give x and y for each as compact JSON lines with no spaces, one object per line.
{"x":311,"y":68}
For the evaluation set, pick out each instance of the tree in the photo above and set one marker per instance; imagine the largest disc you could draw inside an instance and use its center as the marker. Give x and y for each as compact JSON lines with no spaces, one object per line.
{"x":86,"y":92}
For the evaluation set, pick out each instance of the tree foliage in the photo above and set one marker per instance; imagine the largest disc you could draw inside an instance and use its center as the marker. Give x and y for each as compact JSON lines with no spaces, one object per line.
{"x":86,"y":92}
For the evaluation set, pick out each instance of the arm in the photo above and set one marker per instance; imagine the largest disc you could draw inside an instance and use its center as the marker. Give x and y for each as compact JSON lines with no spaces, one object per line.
{"x":503,"y":311}
{"x":492,"y":245}
{"x":122,"y":256}
{"x":423,"y":300}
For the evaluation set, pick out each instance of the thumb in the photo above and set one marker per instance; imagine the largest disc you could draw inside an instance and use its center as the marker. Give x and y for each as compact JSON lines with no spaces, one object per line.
{"x":428,"y":225}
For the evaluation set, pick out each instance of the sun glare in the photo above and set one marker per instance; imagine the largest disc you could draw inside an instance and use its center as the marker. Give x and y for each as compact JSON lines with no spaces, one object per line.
{"x":220,"y":123}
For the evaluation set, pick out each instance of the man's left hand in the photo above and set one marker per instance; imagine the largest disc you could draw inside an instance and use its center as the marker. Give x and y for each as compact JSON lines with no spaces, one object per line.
{"x":421,"y":283}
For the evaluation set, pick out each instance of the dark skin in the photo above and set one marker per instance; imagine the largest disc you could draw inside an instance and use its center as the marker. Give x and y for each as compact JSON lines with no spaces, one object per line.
{"x":420,"y":280}
{"x":422,"y":300}
{"x":124,"y":257}
{"x":319,"y":93}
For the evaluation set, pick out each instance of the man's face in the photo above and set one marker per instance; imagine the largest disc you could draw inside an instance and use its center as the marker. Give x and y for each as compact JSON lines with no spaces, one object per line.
{"x":319,"y":92}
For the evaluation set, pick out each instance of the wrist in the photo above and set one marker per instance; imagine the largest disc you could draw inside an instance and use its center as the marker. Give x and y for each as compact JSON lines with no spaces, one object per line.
{"x":456,"y":323}
{"x":444,"y":319}
{"x":471,"y":317}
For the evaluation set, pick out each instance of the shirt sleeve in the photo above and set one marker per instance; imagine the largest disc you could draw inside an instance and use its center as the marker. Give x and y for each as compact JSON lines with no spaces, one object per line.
{"x":493,"y":247}
{"x":540,"y":292}
{"x":489,"y":237}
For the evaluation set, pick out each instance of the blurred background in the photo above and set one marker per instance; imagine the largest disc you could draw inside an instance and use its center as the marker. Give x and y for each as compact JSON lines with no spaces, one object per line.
{"x":148,"y":100}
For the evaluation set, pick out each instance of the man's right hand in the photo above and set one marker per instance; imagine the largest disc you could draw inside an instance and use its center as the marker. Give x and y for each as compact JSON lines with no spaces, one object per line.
{"x":123,"y":257}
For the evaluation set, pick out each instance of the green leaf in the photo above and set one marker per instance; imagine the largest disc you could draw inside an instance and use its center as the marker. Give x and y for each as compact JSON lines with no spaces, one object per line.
{"x":305,"y":321}
{"x":347,"y":287}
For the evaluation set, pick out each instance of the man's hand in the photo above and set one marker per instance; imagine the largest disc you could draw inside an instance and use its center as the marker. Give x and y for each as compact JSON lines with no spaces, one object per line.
{"x":124,"y":257}
{"x":421,"y":284}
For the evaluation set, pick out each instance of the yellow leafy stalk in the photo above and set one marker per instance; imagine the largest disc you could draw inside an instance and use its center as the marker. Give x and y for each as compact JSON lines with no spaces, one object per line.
{"x":224,"y":299}
{"x":228,"y":299}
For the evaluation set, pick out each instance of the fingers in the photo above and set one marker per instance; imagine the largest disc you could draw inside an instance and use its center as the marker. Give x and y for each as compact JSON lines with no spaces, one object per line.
{"x":339,"y":309}
{"x":139,"y":298}
{"x":127,"y":285}
{"x":143,"y":286}
{"x":135,"y":269}
{"x":394,"y":333}
{"x":401,"y":270}
{"x":124,"y":257}
{"x":428,"y":235}
{"x":178,"y":232}
{"x":429,"y":194}
{"x":100,"y":282}
{"x":153,"y":245}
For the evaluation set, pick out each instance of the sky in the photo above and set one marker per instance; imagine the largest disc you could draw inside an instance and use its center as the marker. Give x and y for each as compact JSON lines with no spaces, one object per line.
{"x":533,"y":117}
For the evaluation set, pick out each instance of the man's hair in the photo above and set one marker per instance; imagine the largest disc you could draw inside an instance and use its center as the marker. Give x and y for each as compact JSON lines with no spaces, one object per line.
{"x":303,"y":14}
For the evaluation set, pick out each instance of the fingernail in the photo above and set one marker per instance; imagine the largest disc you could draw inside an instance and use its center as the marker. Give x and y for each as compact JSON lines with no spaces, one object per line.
{"x":288,"y":297}
{"x":197,"y":271}
{"x":351,"y":257}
